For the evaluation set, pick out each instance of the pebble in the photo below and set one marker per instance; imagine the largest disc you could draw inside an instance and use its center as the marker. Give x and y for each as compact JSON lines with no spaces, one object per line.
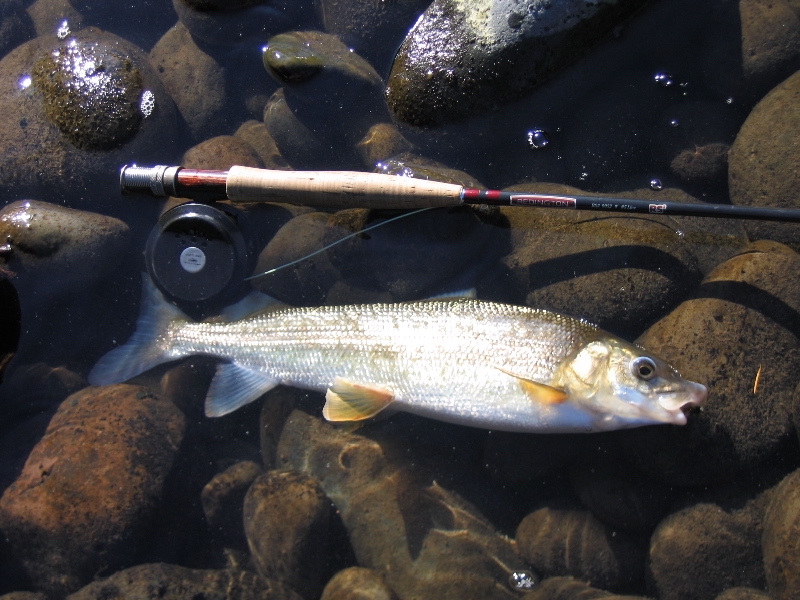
{"x":287,"y":517}
{"x":88,"y":509}
{"x":163,"y":581}
{"x":569,"y":588}
{"x":256,"y":135}
{"x":356,"y":583}
{"x":561,"y":541}
{"x":220,"y":153}
{"x":779,"y":540}
{"x":222,"y":499}
{"x":763,"y":160}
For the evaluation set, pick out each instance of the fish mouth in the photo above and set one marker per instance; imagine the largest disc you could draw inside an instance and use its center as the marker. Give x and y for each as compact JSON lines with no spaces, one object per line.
{"x":692,"y":394}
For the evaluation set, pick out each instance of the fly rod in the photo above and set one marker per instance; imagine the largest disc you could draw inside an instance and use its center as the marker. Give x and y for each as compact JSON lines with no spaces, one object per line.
{"x":353,"y":189}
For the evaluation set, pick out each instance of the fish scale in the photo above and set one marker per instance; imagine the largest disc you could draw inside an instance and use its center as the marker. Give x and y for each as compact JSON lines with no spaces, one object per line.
{"x":464,"y":361}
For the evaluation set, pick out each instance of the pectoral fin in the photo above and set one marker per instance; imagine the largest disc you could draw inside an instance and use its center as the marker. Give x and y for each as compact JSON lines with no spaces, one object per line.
{"x":348,"y":401}
{"x":540,"y":392}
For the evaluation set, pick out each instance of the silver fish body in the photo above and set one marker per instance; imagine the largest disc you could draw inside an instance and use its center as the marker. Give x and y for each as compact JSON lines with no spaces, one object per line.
{"x":464,"y":361}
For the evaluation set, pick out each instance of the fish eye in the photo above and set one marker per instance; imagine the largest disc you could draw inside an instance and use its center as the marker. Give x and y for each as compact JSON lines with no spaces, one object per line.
{"x":643,"y":367}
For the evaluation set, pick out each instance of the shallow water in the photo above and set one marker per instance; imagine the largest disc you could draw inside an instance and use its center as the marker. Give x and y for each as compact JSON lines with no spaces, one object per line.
{"x":687,"y":503}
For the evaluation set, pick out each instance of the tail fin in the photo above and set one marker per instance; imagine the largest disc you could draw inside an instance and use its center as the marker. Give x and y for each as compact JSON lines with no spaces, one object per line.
{"x":146,"y":348}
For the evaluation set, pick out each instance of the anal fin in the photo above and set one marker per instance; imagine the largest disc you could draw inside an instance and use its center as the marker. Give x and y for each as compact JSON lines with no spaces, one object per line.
{"x":234,"y":386}
{"x":539,"y":392}
{"x":349,"y":401}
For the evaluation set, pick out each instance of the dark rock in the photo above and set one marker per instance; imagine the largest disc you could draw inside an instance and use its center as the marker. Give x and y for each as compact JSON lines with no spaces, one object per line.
{"x":222,"y":499}
{"x":619,"y":272}
{"x":172,"y":582}
{"x":356,"y":583}
{"x":702,"y":165}
{"x":286,"y":519}
{"x":88,"y":494}
{"x":241,"y":20}
{"x":62,"y":245}
{"x":779,"y":540}
{"x":762,"y":163}
{"x":740,"y":326}
{"x":573,"y":542}
{"x":425,"y":540}
{"x":16,"y":26}
{"x":568,"y":588}
{"x":221,"y":153}
{"x":741,"y":593}
{"x":196,"y":81}
{"x":23,"y":596}
{"x":702,"y":550}
{"x":296,"y":141}
{"x":44,"y":155}
{"x":458,"y":55}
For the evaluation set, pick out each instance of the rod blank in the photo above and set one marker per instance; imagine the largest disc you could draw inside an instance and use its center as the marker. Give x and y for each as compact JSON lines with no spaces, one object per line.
{"x":352,"y":189}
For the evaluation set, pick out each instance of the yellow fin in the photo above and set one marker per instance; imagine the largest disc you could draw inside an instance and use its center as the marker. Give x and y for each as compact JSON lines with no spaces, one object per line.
{"x":348,"y":401}
{"x":539,"y":392}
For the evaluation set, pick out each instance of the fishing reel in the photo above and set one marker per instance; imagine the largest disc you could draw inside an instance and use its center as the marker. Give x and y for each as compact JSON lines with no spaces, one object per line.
{"x":200,"y":253}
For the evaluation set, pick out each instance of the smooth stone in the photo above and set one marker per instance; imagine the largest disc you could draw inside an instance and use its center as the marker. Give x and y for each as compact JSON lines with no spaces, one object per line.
{"x":740,"y":325}
{"x":41,"y":161}
{"x":23,"y":596}
{"x":196,"y":81}
{"x":222,"y":499}
{"x":459,"y":53}
{"x":426,"y":541}
{"x":48,"y":16}
{"x":742,"y":593}
{"x":705,"y":165}
{"x":619,"y":272}
{"x":256,"y":135}
{"x":287,"y":518}
{"x":160,"y":581}
{"x":90,"y":490}
{"x":16,"y":26}
{"x":779,"y":540}
{"x":698,"y":552}
{"x":220,"y":153}
{"x":762,"y":163}
{"x":382,"y":141}
{"x":356,"y":583}
{"x":561,"y":542}
{"x":569,"y":588}
{"x":61,"y":245}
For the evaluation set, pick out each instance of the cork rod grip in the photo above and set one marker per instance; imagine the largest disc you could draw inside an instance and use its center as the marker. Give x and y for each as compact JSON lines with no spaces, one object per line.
{"x":339,"y":189}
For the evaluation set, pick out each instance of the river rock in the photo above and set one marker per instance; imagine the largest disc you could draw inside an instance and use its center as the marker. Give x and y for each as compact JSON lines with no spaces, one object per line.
{"x":557,"y":541}
{"x":196,"y":81}
{"x":256,"y":135}
{"x":172,"y":582}
{"x":382,"y":141}
{"x":357,"y":583}
{"x":222,"y":499}
{"x":779,"y":540}
{"x":16,"y":26}
{"x":459,"y":54}
{"x":742,"y":593}
{"x":66,"y":133}
{"x":87,"y":497}
{"x":569,"y":588}
{"x":220,"y":153}
{"x":739,"y":336}
{"x":619,"y":272}
{"x":48,"y":242}
{"x":425,"y":540}
{"x":286,"y":519}
{"x":49,"y":16}
{"x":763,"y":160}
{"x":702,"y":550}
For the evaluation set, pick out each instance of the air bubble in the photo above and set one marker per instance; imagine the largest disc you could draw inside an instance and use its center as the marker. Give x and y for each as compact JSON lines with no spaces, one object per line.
{"x":538,"y":139}
{"x":674,"y":122}
{"x":522,"y":581}
{"x":656,"y":184}
{"x":63,"y":30}
{"x":147,"y":103}
{"x":664,"y":79}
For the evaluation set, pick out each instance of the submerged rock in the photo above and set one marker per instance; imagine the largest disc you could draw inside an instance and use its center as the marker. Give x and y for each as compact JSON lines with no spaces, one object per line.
{"x":88,"y":494}
{"x":462,"y":57}
{"x":172,"y":582}
{"x":222,"y":499}
{"x":763,"y":161}
{"x":425,"y":540}
{"x":569,"y":588}
{"x":779,"y":540}
{"x":357,"y":583}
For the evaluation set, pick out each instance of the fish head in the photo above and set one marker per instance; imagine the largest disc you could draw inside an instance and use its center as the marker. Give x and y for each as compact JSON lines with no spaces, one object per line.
{"x":626,"y":386}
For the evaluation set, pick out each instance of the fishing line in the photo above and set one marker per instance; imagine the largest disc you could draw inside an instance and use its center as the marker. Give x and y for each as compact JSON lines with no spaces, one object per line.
{"x":332,"y":244}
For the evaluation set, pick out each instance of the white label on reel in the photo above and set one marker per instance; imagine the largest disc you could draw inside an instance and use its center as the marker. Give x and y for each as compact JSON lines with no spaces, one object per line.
{"x":193,"y":259}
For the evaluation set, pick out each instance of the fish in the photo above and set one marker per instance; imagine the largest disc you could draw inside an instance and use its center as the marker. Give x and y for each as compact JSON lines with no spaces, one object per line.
{"x":460,"y":360}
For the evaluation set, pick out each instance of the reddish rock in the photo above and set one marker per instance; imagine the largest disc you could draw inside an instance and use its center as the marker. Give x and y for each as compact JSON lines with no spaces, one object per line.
{"x":88,"y":493}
